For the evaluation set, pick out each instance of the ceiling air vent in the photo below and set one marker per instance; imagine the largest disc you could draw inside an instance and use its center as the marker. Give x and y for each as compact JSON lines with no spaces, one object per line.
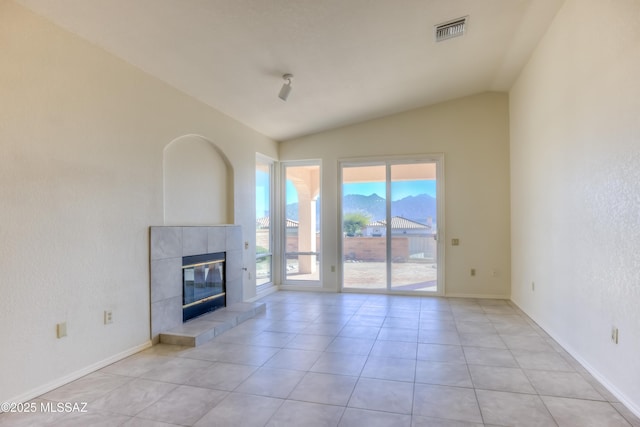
{"x":450,"y":29}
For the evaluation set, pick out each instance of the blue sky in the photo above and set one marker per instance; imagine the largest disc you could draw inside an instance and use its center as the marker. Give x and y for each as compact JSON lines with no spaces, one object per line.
{"x":262,"y":195}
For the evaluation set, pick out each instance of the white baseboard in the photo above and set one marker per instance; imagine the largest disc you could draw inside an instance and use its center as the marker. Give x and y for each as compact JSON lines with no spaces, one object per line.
{"x":633,"y":407}
{"x":305,"y":288}
{"x":478,"y":296}
{"x":38,"y":391}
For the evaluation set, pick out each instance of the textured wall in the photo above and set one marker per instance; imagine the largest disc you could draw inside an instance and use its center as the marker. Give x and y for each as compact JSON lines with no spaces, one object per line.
{"x":82,"y":137}
{"x":575,"y":187}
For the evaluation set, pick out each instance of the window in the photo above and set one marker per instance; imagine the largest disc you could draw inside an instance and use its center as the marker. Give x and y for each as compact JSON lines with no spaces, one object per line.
{"x":301,"y":236}
{"x":264,"y":214}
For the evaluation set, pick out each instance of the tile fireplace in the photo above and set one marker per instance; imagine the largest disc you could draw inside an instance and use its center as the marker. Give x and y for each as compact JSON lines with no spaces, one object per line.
{"x":169,"y":248}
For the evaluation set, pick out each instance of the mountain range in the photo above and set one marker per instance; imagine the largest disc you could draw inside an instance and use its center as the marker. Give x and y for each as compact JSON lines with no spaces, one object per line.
{"x":416,"y":208}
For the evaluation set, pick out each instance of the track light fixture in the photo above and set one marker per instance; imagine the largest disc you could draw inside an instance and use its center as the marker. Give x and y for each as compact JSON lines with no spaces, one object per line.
{"x":286,"y":87}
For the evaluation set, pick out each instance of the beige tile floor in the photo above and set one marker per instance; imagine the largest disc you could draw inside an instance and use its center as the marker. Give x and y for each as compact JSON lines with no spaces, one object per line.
{"x":317,"y":359}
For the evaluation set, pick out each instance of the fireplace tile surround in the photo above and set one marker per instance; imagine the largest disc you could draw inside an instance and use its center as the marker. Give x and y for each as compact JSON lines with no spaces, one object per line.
{"x":168,"y":244}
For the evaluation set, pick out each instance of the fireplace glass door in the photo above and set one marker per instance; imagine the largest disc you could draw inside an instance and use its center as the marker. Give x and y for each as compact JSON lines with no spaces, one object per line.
{"x":203,"y":285}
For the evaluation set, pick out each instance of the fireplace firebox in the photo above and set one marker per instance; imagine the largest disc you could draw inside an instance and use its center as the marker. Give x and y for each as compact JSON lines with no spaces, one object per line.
{"x":203,"y":284}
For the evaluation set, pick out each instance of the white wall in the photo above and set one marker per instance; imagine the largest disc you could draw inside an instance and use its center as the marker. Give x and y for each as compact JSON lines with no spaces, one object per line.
{"x":195,"y":183}
{"x":473,"y":134}
{"x":575,"y":188}
{"x":81,"y":150}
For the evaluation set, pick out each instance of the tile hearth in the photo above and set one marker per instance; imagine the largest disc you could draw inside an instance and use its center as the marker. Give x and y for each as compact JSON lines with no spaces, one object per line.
{"x":204,"y":328}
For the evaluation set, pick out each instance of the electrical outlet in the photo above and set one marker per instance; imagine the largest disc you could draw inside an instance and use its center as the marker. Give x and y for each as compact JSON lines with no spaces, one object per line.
{"x":533,"y":286}
{"x":108,"y":317}
{"x":61,"y":329}
{"x":473,"y":271}
{"x":455,"y":242}
{"x":333,"y":268}
{"x":614,"y":335}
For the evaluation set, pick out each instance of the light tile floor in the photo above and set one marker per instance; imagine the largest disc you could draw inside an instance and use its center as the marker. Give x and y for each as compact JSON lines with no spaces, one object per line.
{"x":318,"y":359}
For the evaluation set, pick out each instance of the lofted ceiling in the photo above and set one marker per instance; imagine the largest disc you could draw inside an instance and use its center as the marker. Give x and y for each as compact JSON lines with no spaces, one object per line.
{"x":352,"y":60}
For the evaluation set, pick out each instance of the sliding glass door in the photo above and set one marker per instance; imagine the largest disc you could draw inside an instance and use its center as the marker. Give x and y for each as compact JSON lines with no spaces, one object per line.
{"x":390,"y":220}
{"x":414,"y":217}
{"x":364,"y":246}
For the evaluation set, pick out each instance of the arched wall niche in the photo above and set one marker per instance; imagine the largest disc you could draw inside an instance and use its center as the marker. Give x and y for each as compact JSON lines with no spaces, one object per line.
{"x":198,"y":183}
